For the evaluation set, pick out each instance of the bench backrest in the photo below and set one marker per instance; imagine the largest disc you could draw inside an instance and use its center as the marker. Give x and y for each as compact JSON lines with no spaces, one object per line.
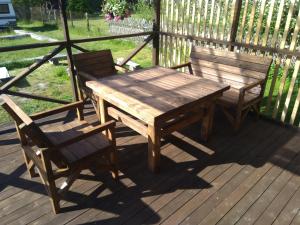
{"x":234,"y":69}
{"x":25,"y":123}
{"x":97,"y":64}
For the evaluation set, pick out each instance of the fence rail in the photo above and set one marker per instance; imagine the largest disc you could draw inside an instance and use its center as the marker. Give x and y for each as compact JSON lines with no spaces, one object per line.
{"x":266,"y":28}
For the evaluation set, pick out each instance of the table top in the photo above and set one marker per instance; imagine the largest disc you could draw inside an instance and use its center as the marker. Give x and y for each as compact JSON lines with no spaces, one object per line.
{"x":150,"y":93}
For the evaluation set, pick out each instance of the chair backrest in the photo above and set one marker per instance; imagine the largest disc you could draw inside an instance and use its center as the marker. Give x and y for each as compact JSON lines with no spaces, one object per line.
{"x":98,"y":64}
{"x":235,"y":69}
{"x":25,"y":123}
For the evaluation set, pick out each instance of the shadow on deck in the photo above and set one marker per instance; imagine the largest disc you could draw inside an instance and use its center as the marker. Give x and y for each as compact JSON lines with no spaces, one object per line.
{"x":244,"y":178}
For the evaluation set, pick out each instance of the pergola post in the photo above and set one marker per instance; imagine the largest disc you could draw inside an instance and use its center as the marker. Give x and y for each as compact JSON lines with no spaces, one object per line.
{"x":63,"y":16}
{"x":156,"y":30}
{"x":235,"y":22}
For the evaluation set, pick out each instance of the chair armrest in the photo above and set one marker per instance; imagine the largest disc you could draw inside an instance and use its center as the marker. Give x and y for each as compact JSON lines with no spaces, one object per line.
{"x":121,"y":69}
{"x":102,"y":127}
{"x":57,"y":110}
{"x":188,"y":64}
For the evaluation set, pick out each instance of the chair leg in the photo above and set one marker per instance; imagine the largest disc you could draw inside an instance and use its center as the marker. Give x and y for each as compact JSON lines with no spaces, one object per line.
{"x":114,"y":163}
{"x":53,"y":195}
{"x":30,"y":166}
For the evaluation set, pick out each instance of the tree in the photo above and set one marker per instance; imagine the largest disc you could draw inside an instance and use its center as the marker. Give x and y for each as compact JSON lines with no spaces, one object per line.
{"x":26,"y":4}
{"x":82,"y":6}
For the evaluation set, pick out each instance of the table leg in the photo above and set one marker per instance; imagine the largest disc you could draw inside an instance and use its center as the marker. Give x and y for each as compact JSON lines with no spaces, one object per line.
{"x":103,"y":115}
{"x":207,"y":123}
{"x":153,"y":148}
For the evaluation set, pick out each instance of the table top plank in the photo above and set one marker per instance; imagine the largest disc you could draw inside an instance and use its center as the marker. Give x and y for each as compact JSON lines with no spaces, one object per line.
{"x":150,"y":93}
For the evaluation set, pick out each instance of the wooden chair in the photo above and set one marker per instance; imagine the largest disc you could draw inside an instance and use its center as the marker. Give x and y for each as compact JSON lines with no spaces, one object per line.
{"x":246,"y":74}
{"x":92,"y":66}
{"x":55,"y":151}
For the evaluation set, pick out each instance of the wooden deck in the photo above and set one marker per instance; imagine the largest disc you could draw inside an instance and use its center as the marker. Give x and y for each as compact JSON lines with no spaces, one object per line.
{"x":247,"y":178}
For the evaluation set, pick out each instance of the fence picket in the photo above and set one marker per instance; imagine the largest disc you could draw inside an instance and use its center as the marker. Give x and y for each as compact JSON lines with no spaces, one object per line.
{"x":224,"y":20}
{"x":268,"y":25}
{"x":240,"y":37}
{"x":259,"y":23}
{"x":291,"y":90}
{"x":278,"y":20}
{"x":287,"y":24}
{"x":218,"y":20}
{"x":252,"y":16}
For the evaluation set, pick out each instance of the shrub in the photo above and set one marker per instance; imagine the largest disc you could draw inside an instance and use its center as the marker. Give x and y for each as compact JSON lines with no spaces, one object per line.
{"x":115,"y":9}
{"x":143,"y":9}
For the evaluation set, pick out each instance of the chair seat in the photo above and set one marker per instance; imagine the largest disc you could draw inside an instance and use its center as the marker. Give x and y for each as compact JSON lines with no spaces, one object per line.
{"x":81,"y":149}
{"x":231,"y":97}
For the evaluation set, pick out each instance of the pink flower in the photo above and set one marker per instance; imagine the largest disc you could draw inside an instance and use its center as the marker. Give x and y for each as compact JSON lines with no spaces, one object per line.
{"x":108,"y":17}
{"x":117,"y":18}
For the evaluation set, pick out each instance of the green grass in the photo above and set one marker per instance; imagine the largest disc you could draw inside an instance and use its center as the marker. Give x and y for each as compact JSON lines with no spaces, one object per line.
{"x":15,"y":59}
{"x":48,"y":80}
{"x":98,"y":27}
{"x":6,"y":32}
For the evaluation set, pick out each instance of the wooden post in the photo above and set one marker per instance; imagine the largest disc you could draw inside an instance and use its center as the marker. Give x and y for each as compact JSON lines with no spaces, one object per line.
{"x":87,"y":21}
{"x":71,"y":18}
{"x":156,"y":29}
{"x":63,"y":15}
{"x":235,"y":22}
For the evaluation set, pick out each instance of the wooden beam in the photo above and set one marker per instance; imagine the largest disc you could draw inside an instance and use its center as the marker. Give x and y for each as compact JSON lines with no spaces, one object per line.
{"x":129,"y":121}
{"x":286,"y":52}
{"x":137,"y":50}
{"x":63,"y":15}
{"x":31,"y":68}
{"x":43,"y":45}
{"x":31,"y":46}
{"x":105,"y":38}
{"x":37,"y":97}
{"x":156,"y":30}
{"x":235,"y":22}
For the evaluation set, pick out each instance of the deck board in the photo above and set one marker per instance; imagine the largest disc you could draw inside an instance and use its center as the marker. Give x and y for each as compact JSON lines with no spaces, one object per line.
{"x":251,"y":177}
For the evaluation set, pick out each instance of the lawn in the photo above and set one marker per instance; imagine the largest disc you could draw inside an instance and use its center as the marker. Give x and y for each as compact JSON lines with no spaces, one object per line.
{"x":50,"y":80}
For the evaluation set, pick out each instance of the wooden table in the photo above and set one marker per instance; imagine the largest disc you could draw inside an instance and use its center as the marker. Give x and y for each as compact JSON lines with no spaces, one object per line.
{"x":156,"y":102}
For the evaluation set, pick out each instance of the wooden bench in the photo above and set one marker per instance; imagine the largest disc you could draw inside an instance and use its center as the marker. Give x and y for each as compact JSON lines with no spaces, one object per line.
{"x":246,"y":74}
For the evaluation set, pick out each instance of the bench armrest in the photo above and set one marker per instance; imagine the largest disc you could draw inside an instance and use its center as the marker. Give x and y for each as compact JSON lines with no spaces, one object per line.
{"x":74,"y":105}
{"x":188,"y":64}
{"x":247,"y":88}
{"x":110,"y":125}
{"x":250,"y":86}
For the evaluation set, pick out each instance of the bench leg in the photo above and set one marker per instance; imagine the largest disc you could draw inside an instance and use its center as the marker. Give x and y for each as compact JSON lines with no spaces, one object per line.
{"x":256,"y":110}
{"x":238,"y":120}
{"x":153,"y":148}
